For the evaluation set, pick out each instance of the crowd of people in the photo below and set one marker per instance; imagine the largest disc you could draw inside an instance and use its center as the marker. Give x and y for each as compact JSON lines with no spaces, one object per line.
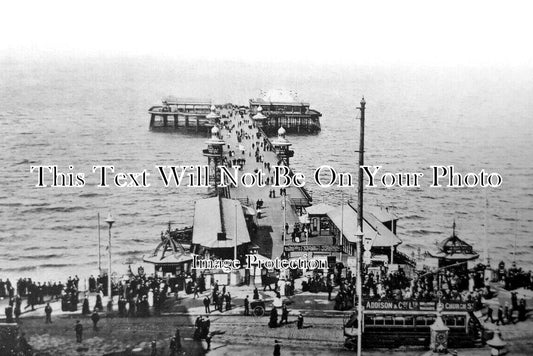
{"x":514,"y":277}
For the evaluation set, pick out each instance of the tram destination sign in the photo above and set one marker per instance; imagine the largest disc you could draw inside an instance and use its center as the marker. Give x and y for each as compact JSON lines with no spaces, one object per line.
{"x":416,"y":305}
{"x":312,"y":248}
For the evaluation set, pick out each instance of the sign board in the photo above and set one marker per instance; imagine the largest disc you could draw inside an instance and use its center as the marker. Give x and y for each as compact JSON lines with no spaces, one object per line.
{"x":393,"y":267}
{"x":416,"y":305}
{"x":367,"y":243}
{"x":351,"y":262}
{"x":221,"y":279}
{"x":366,"y":257}
{"x":312,"y":248}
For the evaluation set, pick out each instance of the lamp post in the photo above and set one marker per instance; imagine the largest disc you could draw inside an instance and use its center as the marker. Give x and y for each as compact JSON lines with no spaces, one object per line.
{"x":359,"y":276}
{"x":284,"y":219}
{"x":110,"y":222}
{"x":359,"y":234}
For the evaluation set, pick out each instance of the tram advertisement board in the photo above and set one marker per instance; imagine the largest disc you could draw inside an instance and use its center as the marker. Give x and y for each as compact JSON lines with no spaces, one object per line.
{"x":416,"y":305}
{"x":312,"y":248}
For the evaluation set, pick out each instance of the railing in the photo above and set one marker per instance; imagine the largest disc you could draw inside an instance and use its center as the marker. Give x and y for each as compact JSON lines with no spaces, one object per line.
{"x":244,"y":201}
{"x":408,"y":260}
{"x":299,"y":201}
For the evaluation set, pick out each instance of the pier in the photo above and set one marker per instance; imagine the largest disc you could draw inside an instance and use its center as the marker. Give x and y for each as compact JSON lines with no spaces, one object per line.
{"x":280,"y":108}
{"x":277,"y":210}
{"x":197,"y":115}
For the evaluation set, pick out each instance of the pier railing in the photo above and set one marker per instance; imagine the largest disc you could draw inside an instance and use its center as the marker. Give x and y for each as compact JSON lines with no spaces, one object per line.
{"x":244,"y":201}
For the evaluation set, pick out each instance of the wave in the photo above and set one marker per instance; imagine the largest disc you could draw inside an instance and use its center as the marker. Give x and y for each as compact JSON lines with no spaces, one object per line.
{"x":88,"y":195}
{"x":60,"y":209}
{"x":424,"y":232}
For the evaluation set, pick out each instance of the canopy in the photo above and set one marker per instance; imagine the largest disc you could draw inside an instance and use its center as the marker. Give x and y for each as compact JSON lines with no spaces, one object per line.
{"x":319,"y":209}
{"x":217,"y":222}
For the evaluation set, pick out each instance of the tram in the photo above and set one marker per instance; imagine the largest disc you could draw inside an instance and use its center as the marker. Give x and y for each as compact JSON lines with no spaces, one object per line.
{"x":394,"y":328}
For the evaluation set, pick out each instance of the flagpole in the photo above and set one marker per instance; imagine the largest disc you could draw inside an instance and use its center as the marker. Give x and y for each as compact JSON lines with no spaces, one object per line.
{"x":342,"y":225}
{"x":99,"y":256}
{"x":235,"y":247}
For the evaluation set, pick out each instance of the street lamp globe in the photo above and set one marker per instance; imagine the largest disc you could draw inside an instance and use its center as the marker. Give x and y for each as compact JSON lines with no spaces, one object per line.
{"x":109,"y":220}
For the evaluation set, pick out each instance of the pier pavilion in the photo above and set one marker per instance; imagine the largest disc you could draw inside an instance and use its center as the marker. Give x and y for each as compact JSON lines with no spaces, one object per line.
{"x":283,"y":108}
{"x":454,"y":251}
{"x":183,"y":113}
{"x":169,"y":256}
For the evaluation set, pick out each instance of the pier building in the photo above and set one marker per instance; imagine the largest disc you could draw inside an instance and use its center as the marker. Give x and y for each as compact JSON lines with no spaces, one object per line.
{"x":454,"y":252}
{"x":331,"y":233}
{"x":170,"y":256}
{"x":283,"y":108}
{"x":220,"y":228}
{"x":198,"y":115}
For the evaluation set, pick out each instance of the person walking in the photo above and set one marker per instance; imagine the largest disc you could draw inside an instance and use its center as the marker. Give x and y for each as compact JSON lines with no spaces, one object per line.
{"x":300,"y":322}
{"x":48,"y":313}
{"x":172,"y":346}
{"x":500,"y":316}
{"x":154,"y":348}
{"x":277,"y":348}
{"x":246,"y":306}
{"x":284,"y":315}
{"x":489,"y":315}
{"x":207,"y":302}
{"x":196,"y":291}
{"x":78,"y":328}
{"x":177,"y":336}
{"x":95,"y":318}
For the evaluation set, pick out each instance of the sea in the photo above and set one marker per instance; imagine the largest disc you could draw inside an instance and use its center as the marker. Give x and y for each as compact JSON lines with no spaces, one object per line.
{"x":85,"y":111}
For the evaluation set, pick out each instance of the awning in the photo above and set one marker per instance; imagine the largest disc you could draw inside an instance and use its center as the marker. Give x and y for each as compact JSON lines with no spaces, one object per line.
{"x":319,"y":209}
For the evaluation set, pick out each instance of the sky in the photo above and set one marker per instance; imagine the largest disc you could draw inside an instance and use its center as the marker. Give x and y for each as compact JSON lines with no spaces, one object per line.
{"x":472,"y":33}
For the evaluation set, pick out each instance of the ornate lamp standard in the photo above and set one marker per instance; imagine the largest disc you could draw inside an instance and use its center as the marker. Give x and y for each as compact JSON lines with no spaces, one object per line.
{"x":110,"y":222}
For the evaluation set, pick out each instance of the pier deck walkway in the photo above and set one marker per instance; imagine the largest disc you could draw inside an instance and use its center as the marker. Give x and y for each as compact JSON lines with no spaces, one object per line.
{"x":269,"y":236}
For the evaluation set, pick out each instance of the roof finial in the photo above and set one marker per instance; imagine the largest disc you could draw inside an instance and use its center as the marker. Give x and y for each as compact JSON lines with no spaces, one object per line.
{"x":453,"y":232}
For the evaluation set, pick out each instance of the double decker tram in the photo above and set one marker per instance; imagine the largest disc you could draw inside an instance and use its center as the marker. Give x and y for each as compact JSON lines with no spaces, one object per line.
{"x":396,"y":323}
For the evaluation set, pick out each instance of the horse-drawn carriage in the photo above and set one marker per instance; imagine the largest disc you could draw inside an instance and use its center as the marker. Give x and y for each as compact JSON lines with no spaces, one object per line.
{"x":258,"y":307}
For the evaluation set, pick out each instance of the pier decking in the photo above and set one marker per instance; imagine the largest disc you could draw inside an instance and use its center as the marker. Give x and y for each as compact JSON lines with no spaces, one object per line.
{"x":273,"y":215}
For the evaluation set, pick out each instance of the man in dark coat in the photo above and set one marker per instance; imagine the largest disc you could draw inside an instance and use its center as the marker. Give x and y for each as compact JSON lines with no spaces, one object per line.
{"x":273,"y":318}
{"x":79,"y":331}
{"x":277,"y":348}
{"x":284,"y":315}
{"x":246,"y":306}
{"x":207,"y":302}
{"x":48,"y":312}
{"x":489,"y":315}
{"x":95,"y":318}
{"x":300,"y":322}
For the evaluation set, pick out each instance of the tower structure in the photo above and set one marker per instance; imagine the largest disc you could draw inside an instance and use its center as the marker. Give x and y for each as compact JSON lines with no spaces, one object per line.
{"x":282,"y":147}
{"x":259,"y":118}
{"x":214,"y":155}
{"x":213,"y":117}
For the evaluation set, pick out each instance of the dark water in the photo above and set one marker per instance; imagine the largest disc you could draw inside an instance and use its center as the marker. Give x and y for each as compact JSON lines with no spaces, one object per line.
{"x":94,"y":112}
